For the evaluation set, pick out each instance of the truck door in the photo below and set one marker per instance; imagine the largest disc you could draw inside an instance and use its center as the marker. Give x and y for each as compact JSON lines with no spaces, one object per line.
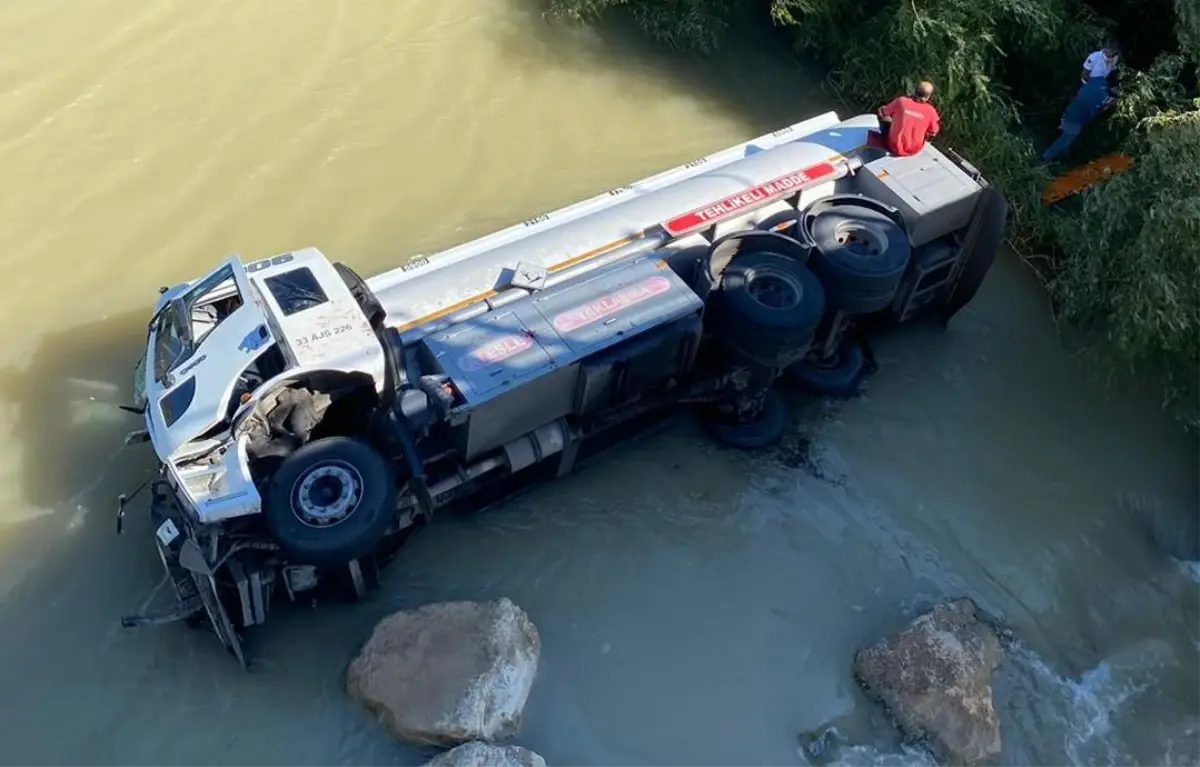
{"x":200,"y":342}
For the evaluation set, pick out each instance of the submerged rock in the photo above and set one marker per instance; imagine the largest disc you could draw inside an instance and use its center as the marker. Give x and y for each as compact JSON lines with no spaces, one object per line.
{"x":476,"y":754}
{"x":448,"y":673}
{"x":935,"y":677}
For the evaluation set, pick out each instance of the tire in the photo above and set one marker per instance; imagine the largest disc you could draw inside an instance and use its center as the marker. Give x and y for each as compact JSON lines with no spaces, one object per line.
{"x":859,"y":253}
{"x":737,"y":246}
{"x":992,"y":217}
{"x":860,"y":303}
{"x":841,"y":376}
{"x":768,"y":304}
{"x":323,"y":531}
{"x":764,"y":431}
{"x":362,"y":294}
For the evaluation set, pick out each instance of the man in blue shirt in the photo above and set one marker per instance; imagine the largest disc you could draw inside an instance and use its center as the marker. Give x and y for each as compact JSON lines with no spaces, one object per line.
{"x":1093,"y":97}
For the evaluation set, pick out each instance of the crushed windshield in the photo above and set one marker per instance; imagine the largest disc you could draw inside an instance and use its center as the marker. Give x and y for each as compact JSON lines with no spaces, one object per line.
{"x":186,"y":321}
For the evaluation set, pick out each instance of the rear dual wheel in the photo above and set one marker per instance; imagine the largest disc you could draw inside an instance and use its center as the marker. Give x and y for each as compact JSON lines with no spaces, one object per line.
{"x":767,"y":306}
{"x":859,"y":253}
{"x":840,"y":374}
{"x":766,"y":427}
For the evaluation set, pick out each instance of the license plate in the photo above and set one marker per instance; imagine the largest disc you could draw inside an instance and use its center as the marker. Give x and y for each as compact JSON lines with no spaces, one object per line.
{"x":167,"y":532}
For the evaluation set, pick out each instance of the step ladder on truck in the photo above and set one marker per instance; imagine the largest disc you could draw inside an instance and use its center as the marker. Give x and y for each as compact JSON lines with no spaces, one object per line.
{"x":305,"y":419}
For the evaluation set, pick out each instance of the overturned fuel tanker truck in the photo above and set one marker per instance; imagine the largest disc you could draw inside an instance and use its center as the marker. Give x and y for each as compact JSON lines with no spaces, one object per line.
{"x":304,"y":419}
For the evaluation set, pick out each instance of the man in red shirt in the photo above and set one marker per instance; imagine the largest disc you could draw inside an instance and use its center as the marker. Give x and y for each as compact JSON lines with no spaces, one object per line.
{"x":909,"y":120}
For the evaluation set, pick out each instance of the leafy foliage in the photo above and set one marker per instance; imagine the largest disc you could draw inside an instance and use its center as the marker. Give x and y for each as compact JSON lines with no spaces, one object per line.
{"x":1131,"y":263}
{"x":1187,"y":15}
{"x":1126,"y":259}
{"x":688,"y":24}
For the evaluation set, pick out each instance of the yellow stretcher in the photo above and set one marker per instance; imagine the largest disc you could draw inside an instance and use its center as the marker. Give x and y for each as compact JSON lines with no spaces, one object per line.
{"x":1078,"y":179}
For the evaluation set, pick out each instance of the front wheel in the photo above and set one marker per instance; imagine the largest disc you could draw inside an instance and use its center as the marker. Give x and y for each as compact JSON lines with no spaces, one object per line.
{"x":331,"y":502}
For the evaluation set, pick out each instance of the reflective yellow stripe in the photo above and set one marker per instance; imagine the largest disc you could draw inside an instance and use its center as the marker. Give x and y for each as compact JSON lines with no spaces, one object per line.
{"x":463,"y":304}
{"x":610,"y":247}
{"x":451,"y":309}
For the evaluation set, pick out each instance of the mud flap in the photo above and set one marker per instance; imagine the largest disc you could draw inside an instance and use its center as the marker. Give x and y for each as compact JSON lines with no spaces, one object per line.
{"x":983,"y":239}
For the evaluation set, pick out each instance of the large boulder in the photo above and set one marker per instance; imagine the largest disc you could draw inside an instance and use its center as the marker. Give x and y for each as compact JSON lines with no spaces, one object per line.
{"x":935,"y":677}
{"x":476,"y":754}
{"x":448,"y":673}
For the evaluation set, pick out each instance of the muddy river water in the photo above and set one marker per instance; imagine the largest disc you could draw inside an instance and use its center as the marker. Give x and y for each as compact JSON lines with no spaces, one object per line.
{"x":696,"y":605}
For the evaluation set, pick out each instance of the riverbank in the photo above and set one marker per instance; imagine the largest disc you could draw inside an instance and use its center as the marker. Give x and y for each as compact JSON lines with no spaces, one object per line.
{"x":1119,"y":263}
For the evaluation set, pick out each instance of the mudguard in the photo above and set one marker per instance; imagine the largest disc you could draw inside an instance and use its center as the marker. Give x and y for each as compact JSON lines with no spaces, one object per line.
{"x":983,"y":239}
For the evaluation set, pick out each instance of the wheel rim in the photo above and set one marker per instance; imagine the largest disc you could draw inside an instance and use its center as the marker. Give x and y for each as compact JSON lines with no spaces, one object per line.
{"x":832,"y":362}
{"x":859,"y":240}
{"x":327,"y":494}
{"x":774,"y":290}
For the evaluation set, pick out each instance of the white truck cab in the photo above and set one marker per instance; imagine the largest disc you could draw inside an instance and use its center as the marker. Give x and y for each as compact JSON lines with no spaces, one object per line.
{"x":218,"y":345}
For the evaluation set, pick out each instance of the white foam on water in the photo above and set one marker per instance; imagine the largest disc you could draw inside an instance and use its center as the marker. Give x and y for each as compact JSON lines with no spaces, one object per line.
{"x":1076,"y":720}
{"x":1083,"y":712}
{"x":1184,"y":748}
{"x":906,"y":756}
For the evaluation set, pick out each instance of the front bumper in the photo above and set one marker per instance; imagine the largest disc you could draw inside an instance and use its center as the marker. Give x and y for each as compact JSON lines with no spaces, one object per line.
{"x":192,"y":577}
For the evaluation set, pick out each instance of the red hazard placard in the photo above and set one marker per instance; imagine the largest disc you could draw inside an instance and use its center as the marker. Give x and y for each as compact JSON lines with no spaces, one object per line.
{"x":495,"y":351}
{"x":748,"y":198}
{"x":606,"y":306}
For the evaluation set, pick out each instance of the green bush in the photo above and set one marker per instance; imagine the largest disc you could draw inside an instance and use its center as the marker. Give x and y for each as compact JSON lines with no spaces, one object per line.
{"x":1131,"y":258}
{"x":684,"y":24}
{"x":1125,"y":260}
